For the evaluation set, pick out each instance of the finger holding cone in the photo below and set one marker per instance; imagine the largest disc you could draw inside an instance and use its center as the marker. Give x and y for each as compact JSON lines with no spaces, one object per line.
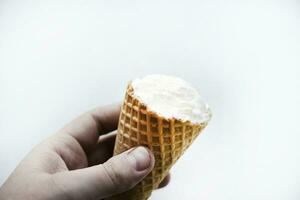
{"x":167,"y":138}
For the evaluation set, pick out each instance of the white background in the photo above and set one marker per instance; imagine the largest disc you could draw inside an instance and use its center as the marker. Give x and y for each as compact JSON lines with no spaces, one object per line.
{"x":59,"y":59}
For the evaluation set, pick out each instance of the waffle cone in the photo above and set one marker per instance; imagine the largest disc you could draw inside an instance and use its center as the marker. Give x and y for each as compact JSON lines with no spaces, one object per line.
{"x":166,"y":138}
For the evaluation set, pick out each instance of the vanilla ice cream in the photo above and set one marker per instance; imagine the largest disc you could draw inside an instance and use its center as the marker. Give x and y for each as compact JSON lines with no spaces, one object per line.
{"x":171,"y":97}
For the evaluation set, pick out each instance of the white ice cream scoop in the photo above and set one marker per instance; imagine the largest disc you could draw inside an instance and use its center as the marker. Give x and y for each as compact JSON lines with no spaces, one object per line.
{"x":171,"y":97}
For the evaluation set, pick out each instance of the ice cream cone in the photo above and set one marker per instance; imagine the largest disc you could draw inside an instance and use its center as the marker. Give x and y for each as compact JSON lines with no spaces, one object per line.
{"x":166,"y":138}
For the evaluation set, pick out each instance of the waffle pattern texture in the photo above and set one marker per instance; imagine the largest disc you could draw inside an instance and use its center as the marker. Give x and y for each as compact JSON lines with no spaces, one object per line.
{"x":166,"y":138}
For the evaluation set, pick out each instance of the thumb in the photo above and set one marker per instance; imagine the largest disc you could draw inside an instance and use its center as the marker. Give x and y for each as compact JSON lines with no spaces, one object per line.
{"x":118,"y":174}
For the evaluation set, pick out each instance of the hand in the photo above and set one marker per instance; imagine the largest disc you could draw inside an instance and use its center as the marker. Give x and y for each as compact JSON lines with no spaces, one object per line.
{"x":73,"y":163}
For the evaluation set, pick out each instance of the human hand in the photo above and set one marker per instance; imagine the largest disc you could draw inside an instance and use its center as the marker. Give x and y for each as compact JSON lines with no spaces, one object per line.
{"x":76,"y":163}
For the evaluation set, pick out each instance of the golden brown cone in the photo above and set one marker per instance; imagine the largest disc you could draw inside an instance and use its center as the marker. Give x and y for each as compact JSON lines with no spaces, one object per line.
{"x":166,"y":138}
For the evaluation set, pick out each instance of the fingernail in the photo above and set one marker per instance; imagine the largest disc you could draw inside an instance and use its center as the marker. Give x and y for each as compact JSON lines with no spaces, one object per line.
{"x":140,"y":158}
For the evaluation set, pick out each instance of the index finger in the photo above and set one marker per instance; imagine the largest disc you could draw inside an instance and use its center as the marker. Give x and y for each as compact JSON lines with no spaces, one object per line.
{"x":87,"y":128}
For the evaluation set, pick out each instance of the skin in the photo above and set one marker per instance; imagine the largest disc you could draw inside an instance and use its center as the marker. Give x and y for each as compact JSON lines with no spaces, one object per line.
{"x":77,"y":163}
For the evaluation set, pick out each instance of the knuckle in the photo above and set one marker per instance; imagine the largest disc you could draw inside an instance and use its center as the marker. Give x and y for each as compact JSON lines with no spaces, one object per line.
{"x":114,"y":176}
{"x":120,"y":176}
